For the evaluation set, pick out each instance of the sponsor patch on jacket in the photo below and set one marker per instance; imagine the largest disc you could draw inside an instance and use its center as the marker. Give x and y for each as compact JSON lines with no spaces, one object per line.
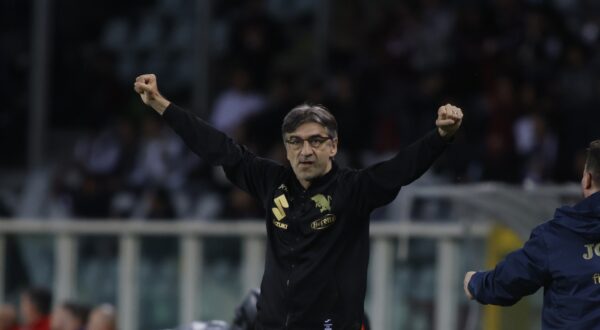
{"x":281,"y":204}
{"x":280,"y":224}
{"x":323,"y":222}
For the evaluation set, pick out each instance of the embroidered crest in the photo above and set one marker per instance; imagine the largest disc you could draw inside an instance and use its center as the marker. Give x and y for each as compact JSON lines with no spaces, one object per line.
{"x":323,"y":203}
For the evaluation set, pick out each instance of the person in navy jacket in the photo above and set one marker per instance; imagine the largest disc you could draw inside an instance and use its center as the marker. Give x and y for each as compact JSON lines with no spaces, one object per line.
{"x":561,"y":255}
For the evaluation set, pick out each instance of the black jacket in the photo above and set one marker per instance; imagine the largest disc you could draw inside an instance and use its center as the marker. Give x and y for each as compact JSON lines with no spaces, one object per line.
{"x":318,"y":239}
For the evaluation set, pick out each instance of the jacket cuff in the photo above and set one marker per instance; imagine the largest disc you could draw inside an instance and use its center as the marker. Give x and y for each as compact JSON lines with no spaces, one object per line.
{"x":437,"y":141}
{"x":170,"y":110}
{"x":474,"y":284}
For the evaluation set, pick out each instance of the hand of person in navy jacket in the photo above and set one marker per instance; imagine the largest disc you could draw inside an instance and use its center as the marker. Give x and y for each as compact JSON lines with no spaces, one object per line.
{"x":466,"y":281}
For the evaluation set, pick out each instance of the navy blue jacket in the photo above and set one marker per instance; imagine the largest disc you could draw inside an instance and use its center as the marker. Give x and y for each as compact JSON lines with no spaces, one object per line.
{"x":563,"y":256}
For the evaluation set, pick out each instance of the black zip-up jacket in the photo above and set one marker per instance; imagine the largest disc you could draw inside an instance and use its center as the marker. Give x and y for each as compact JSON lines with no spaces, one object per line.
{"x":318,"y":239}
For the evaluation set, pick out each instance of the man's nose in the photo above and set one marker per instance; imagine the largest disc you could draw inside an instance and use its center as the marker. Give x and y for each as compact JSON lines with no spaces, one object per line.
{"x":306,"y":150}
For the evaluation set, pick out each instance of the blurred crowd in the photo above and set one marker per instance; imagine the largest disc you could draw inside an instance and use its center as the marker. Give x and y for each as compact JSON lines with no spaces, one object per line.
{"x":525,"y":73}
{"x":35,"y":312}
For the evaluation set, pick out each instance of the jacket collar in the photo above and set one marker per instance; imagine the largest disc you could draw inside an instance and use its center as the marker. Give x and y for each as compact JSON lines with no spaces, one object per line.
{"x":591,"y":203}
{"x":320,"y":181}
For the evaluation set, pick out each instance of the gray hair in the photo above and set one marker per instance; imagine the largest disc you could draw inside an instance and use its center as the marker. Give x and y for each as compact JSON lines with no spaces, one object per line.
{"x":309,"y":113}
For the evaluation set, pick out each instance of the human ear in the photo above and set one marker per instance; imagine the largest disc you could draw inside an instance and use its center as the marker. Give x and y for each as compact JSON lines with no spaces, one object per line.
{"x":334,"y":144}
{"x":586,"y":181}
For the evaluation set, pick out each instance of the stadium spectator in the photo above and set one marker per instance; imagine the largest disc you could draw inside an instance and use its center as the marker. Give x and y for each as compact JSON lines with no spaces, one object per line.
{"x":103,"y":317}
{"x":562,"y":256}
{"x":8,"y":317}
{"x":159,"y":158}
{"x":536,"y":146}
{"x":236,"y":103}
{"x":96,"y":159}
{"x":35,"y":307}
{"x":255,"y":39}
{"x":69,"y":316}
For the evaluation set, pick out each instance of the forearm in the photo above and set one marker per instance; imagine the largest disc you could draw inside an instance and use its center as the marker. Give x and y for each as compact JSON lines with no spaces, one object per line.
{"x":410,"y":163}
{"x":511,"y":280}
{"x":521,"y":273}
{"x":160,"y":105}
{"x":207,"y":142}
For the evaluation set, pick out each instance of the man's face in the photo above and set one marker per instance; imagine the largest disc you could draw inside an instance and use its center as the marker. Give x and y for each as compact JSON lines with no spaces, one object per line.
{"x":310,"y":149}
{"x":28,"y":312}
{"x":99,"y":320}
{"x":62,"y":319}
{"x":8,"y":317}
{"x":58,"y":319}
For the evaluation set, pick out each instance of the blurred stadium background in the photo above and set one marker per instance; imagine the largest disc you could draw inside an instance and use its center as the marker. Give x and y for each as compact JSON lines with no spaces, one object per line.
{"x":101,"y":203}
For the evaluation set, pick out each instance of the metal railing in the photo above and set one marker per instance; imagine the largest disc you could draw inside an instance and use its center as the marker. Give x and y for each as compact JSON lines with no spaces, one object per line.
{"x":191,"y":235}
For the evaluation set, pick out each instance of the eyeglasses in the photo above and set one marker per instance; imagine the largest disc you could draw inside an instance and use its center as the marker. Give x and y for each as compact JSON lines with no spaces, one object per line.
{"x":314,"y":141}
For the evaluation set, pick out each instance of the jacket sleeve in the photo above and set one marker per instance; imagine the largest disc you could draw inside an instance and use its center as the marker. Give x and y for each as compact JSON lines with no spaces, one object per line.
{"x":520,"y":274}
{"x":380,"y":183}
{"x":244,"y":169}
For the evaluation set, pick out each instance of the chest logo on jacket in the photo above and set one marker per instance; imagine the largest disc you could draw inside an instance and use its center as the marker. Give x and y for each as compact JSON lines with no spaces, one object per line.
{"x":592,"y":249}
{"x":281,"y":204}
{"x":322,"y":203}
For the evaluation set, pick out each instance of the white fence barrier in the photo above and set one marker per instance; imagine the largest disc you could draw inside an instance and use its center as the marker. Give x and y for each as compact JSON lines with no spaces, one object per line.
{"x":191,"y":235}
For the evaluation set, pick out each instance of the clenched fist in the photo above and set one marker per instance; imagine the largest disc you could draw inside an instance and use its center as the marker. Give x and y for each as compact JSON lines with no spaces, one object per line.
{"x":146,"y":86}
{"x":448,"y":120}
